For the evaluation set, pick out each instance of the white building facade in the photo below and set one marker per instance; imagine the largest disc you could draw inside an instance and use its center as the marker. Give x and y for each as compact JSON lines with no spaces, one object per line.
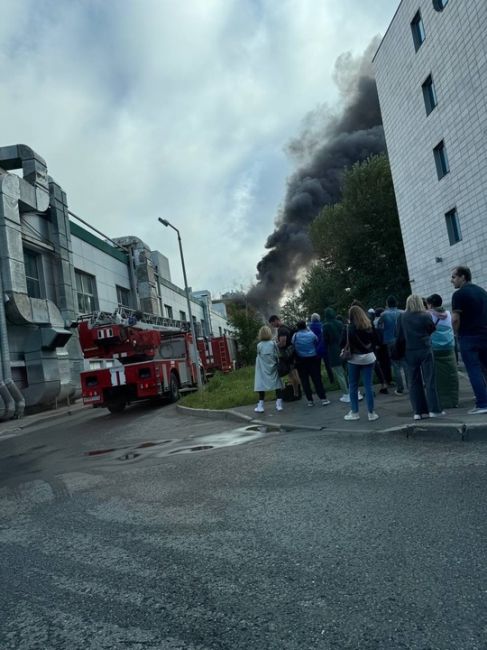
{"x":431,"y":73}
{"x":52,"y":271}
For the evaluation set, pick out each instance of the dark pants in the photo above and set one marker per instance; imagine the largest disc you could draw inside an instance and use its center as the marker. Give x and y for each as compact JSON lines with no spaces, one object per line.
{"x":310,"y":368}
{"x":328,"y":368}
{"x":382,"y":354}
{"x":278,"y":394}
{"x":422,"y":382}
{"x":474,"y":355}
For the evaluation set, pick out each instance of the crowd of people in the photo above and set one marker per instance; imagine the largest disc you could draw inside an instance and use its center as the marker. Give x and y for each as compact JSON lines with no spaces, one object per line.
{"x":416,"y":350}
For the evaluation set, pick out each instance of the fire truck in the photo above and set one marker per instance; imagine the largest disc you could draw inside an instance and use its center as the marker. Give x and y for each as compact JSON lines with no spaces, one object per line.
{"x":217,"y":353}
{"x":132,"y":361}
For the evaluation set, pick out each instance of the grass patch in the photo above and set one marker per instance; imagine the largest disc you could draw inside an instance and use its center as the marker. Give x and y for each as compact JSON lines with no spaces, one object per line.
{"x":224,"y":391}
{"x":231,"y":390}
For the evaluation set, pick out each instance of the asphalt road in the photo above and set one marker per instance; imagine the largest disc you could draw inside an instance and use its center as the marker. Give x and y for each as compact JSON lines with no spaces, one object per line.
{"x":150,"y":530}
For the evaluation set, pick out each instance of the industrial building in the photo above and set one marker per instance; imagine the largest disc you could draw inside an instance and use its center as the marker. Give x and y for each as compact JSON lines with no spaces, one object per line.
{"x":53,"y":270}
{"x":431,"y":73}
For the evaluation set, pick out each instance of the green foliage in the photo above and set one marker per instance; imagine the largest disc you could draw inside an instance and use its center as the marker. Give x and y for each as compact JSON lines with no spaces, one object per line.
{"x":358,"y":243}
{"x":293,"y":310}
{"x":247,"y":322}
{"x":225,"y":391}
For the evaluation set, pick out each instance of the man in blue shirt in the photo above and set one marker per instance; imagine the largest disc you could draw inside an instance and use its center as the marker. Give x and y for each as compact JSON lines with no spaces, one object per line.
{"x":387,"y":323}
{"x":469,"y":319}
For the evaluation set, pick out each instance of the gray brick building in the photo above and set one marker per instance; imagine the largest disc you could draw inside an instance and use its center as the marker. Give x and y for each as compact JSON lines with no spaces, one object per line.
{"x":431,"y":72}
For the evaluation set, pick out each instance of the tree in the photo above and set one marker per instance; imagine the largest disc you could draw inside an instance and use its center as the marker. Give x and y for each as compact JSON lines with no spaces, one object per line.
{"x":293,"y":309}
{"x":247,"y":322}
{"x":358,"y":243}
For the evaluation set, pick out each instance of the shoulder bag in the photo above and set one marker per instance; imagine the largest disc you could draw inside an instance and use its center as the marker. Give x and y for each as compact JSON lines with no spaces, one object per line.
{"x":346,"y":353}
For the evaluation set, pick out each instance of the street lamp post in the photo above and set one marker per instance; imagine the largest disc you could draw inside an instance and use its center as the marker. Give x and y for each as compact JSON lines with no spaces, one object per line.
{"x":167,"y":224}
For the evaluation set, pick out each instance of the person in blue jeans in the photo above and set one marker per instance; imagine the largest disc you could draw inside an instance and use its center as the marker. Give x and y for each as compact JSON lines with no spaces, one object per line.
{"x":469,"y":318}
{"x":387,"y":325}
{"x":359,"y":337}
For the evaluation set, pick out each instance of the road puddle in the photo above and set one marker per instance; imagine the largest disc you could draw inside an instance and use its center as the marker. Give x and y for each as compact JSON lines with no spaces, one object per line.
{"x":162,"y":448}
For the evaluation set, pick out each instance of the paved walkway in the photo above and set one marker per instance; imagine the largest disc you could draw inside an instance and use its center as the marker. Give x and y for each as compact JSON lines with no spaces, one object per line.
{"x":394,"y":413}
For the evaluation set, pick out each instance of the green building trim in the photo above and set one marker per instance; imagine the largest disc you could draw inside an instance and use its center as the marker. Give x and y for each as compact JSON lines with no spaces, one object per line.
{"x":93,"y":240}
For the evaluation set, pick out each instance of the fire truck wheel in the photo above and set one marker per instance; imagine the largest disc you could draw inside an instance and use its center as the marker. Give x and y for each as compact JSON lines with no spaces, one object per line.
{"x":117,"y":405}
{"x":173,"y":388}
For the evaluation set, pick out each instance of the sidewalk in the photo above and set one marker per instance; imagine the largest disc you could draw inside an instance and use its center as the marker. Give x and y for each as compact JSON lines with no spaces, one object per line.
{"x":10,"y":428}
{"x":395,"y":414}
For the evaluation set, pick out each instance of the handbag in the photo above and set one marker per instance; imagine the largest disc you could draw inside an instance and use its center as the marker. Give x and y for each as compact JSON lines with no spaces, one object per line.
{"x":346,"y":353}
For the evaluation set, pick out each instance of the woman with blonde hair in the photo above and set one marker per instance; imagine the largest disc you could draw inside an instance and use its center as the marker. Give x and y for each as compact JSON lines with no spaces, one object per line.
{"x":414,"y":329}
{"x":266,"y":375}
{"x":358,"y":341}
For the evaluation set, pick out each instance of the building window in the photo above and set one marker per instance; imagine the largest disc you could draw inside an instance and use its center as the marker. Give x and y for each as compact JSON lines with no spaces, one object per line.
{"x":453,"y":227}
{"x":123,"y":296}
{"x":182,"y":316}
{"x":86,"y":288}
{"x":439,"y":5}
{"x":441,"y":160}
{"x":32,"y":262}
{"x":417,"y":29}
{"x":169,"y":313}
{"x":429,"y":94}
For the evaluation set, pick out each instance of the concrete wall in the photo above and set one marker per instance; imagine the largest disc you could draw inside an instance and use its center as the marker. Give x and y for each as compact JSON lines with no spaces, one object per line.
{"x":108,"y":271}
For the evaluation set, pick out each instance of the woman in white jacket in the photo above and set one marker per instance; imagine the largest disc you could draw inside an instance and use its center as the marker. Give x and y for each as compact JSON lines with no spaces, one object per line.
{"x":266,"y":376}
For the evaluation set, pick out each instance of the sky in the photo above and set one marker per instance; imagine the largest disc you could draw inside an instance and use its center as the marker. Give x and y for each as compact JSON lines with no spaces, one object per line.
{"x":181,"y":110}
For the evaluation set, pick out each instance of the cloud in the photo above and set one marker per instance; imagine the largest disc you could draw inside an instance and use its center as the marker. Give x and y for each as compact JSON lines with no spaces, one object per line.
{"x":155,"y":108}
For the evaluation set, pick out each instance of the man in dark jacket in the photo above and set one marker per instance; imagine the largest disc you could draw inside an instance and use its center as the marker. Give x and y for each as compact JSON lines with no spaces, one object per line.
{"x":316,"y":327}
{"x":469,"y":319}
{"x":283,"y":339}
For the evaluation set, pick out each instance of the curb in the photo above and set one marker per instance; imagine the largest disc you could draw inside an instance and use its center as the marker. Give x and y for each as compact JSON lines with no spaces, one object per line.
{"x":214,"y":414}
{"x":459,"y":427}
{"x":230,"y":414}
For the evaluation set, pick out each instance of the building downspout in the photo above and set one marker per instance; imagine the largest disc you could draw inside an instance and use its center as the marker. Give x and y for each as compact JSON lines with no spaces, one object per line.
{"x":10,"y":407}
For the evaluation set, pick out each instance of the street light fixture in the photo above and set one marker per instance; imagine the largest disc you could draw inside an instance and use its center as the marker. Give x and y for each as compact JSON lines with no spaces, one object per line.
{"x":199,"y":381}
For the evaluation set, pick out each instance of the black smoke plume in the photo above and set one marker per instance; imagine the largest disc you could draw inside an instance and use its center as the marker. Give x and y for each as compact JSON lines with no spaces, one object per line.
{"x":328,"y":145}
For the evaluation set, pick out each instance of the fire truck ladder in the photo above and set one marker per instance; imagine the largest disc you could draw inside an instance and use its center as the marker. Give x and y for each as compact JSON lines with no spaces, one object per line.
{"x":223,"y":354}
{"x":123,"y":315}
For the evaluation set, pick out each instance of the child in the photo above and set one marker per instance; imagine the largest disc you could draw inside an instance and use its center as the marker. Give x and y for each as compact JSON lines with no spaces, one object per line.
{"x":266,"y":377}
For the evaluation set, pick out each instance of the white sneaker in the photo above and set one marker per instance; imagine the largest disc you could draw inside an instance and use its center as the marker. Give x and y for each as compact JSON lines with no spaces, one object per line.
{"x":416,"y":416}
{"x":311,"y":403}
{"x":373,"y":416}
{"x":360,"y":396}
{"x":439,"y":415}
{"x":279,"y":404}
{"x":260,"y":407}
{"x":345,"y":398}
{"x":352,"y":416}
{"x":325,"y":402}
{"x":477,"y":410}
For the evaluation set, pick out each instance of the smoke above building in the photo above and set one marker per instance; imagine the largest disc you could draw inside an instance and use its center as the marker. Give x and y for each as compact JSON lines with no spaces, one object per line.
{"x":328,"y":144}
